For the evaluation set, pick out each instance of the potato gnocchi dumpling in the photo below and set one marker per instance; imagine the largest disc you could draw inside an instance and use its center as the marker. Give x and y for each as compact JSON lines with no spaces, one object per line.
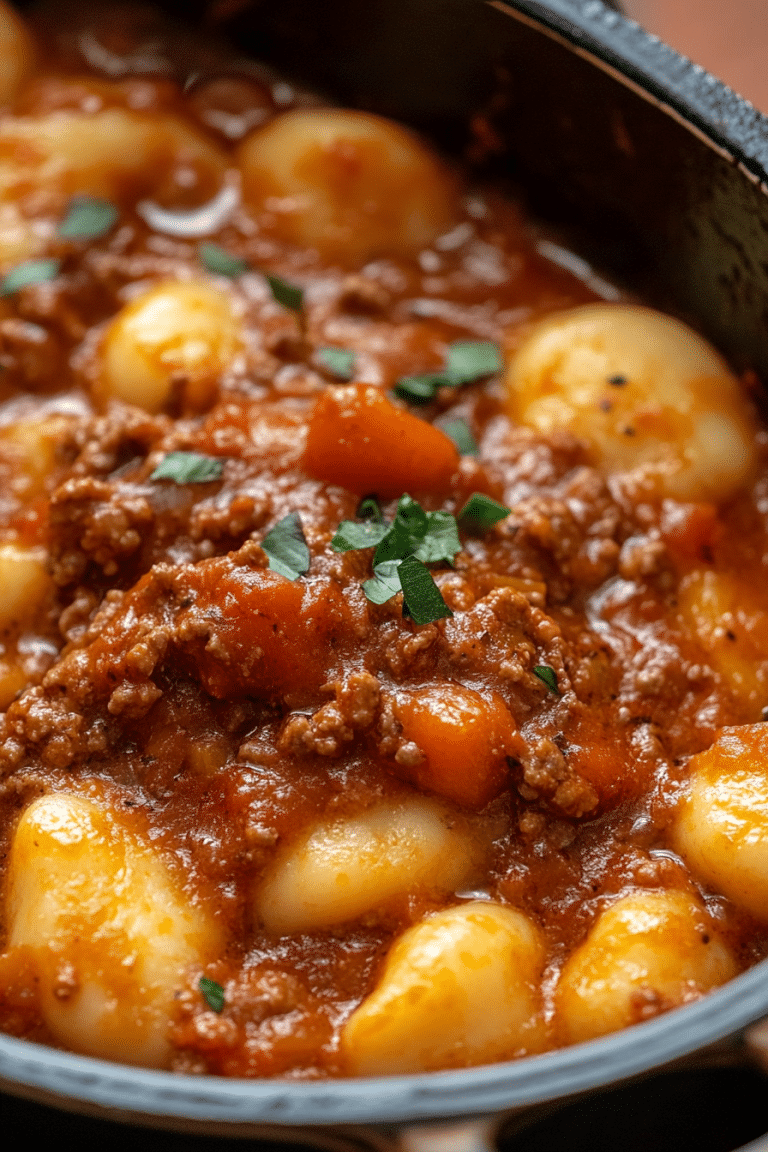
{"x":24,"y":581}
{"x":459,"y":988}
{"x":180,"y":336}
{"x":357,"y":864}
{"x":648,"y":952}
{"x":646,"y":393}
{"x":110,"y":932}
{"x":349,"y":184}
{"x":729,"y":621}
{"x":17,"y":53}
{"x":722,"y":827}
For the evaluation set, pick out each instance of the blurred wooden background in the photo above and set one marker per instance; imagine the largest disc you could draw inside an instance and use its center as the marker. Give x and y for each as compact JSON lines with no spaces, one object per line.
{"x":729,"y":37}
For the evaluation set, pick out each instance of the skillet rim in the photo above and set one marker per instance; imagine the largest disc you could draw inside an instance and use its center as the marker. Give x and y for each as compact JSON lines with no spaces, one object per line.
{"x":734,"y":128}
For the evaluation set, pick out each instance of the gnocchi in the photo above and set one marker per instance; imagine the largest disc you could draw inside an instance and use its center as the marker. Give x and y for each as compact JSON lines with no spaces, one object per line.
{"x":110,"y":933}
{"x":648,"y":395}
{"x":648,"y":952}
{"x":176,"y":335}
{"x":356,"y":865}
{"x":459,"y":988}
{"x":351,"y":185}
{"x":722,"y":828}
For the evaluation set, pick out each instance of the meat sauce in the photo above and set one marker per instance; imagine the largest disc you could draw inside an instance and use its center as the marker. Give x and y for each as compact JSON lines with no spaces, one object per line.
{"x":267,"y":811}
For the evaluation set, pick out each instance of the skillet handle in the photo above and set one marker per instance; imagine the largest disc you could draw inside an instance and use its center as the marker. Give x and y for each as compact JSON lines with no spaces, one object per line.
{"x":756,"y":1043}
{"x":465,"y":1136}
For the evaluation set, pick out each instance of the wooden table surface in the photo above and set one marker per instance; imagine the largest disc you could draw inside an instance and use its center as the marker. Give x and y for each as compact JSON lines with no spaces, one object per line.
{"x":729,"y":37}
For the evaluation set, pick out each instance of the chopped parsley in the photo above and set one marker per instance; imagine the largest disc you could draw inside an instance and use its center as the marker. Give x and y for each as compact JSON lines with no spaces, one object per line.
{"x":217,"y":260}
{"x":466,"y":361}
{"x":289,"y":295}
{"x":286,"y":547}
{"x":88,"y":218}
{"x":480,"y":511}
{"x":421,"y":595}
{"x":213,"y":993}
{"x":340,"y":362}
{"x":461,"y":434}
{"x":431,"y":537}
{"x":470,"y":360}
{"x":188,"y":468}
{"x":385,"y":582}
{"x":547,"y":676}
{"x":414,"y":539}
{"x":30,"y":272}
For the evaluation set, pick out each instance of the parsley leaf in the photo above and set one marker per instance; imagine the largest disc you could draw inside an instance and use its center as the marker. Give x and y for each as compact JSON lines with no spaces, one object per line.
{"x":88,"y":218}
{"x":421,"y":595}
{"x":217,"y":260}
{"x":467,"y":360}
{"x":431,"y":537}
{"x":547,"y":676}
{"x":286,"y":547}
{"x":30,"y":272}
{"x":470,"y":360}
{"x":480,"y":511}
{"x":289,"y":295}
{"x":188,"y":468}
{"x":213,"y":993}
{"x":350,"y":535}
{"x":340,"y":362}
{"x":385,"y":582}
{"x":461,"y":434}
{"x":369,"y":509}
{"x":422,"y":389}
{"x":422,"y":599}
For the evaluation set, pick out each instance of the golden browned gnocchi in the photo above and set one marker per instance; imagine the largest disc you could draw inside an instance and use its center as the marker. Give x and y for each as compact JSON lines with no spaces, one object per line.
{"x":648,"y":952}
{"x":648,"y":395}
{"x":109,"y":932}
{"x":722,"y":829}
{"x":459,"y":988}
{"x":351,"y":185}
{"x":357,"y":865}
{"x":179,"y":336}
{"x":382,"y":634}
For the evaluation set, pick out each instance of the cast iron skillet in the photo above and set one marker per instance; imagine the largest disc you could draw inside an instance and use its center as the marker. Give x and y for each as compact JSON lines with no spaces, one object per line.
{"x":654,"y":171}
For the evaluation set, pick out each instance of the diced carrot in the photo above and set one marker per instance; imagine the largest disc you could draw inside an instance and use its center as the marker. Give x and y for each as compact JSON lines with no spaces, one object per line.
{"x":464,"y":739}
{"x":268,"y":634}
{"x":361,"y":441}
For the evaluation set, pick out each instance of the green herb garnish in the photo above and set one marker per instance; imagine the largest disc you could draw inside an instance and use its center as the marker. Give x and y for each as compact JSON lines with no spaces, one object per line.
{"x":467,"y":360}
{"x":414,"y":539}
{"x":470,"y":360}
{"x":217,"y":260}
{"x":422,"y":597}
{"x":213,"y":993}
{"x":88,"y":218}
{"x":30,"y":272}
{"x":480,"y":511}
{"x":461,"y":434}
{"x":289,"y":295}
{"x":369,"y":509}
{"x":422,"y":389}
{"x":340,"y":362}
{"x":188,"y":468}
{"x":547,"y":676}
{"x":350,"y":536}
{"x":286,"y":547}
{"x":385,"y":582}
